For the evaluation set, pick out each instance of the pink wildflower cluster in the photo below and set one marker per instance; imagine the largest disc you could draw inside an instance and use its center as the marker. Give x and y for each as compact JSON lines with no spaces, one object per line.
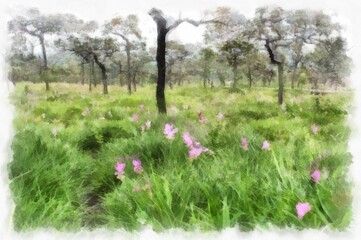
{"x":120,"y":168}
{"x":244,"y":143}
{"x":266,"y":145}
{"x":85,"y":112}
{"x":316,"y":176}
{"x":302,"y":209}
{"x":195,"y":148}
{"x":135,"y":117}
{"x":137,"y":166}
{"x":220,"y":116}
{"x":146,"y":126}
{"x":201,"y":118}
{"x":315,"y":128}
{"x":170,"y":131}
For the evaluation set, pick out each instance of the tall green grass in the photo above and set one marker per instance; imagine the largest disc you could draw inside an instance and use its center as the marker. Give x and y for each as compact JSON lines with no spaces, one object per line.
{"x":67,"y":181}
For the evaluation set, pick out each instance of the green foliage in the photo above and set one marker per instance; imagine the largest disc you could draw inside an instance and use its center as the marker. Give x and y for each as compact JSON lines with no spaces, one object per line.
{"x":67,"y":180}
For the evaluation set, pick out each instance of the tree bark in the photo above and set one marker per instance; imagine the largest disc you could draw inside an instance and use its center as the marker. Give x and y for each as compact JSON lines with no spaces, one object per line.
{"x":104,"y":74}
{"x":280,"y":84}
{"x":90,"y":77}
{"x":249,"y":75}
{"x":82,"y":73}
{"x":161,"y":66}
{"x":234,"y":70}
{"x":134,"y":80}
{"x":127,"y":49}
{"x":45,"y":61}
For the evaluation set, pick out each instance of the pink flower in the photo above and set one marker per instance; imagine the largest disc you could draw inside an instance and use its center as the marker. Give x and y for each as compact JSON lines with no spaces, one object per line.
{"x":266,"y":145}
{"x":135,"y":117}
{"x":315,"y":128}
{"x":147,"y":124}
{"x":170,"y":131}
{"x":85,"y":112}
{"x":141,"y":106}
{"x":316,"y":175}
{"x":302,"y":209}
{"x":195,"y":152}
{"x":203,"y":120}
{"x":187,"y":139}
{"x":199,"y":113}
{"x":220,"y":116}
{"x":244,"y":143}
{"x":54,"y":131}
{"x":137,"y":166}
{"x":119,"y":170}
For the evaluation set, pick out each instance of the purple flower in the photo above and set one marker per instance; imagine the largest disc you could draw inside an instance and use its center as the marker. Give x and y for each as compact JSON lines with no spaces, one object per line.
{"x":203,"y":120}
{"x":316,"y":175}
{"x":137,"y":165}
{"x":135,"y":117}
{"x":147,"y":124}
{"x":220,"y":116}
{"x":266,"y":145}
{"x":187,"y":139}
{"x":315,"y":128}
{"x":302,"y":209}
{"x":195,"y":152}
{"x":119,"y":170}
{"x":85,"y":112}
{"x":170,"y":131}
{"x":244,"y":143}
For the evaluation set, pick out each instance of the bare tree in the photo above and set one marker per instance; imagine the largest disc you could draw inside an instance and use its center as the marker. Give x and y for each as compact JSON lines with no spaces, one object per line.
{"x":164,"y":26}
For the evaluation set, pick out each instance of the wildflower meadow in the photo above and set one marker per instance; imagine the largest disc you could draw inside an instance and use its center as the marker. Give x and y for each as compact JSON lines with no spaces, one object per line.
{"x":216,"y":160}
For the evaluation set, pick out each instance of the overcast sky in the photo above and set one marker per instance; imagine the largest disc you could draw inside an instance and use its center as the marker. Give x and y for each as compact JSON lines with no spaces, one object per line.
{"x":103,"y":10}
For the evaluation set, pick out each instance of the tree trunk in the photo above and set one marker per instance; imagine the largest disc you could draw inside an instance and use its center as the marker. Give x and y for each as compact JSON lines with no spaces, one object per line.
{"x":169,"y":72}
{"x":90,"y":77}
{"x":104,"y":74}
{"x":93,"y":74}
{"x":293,"y":79}
{"x":234,"y":70}
{"x":161,"y":65}
{"x":249,"y":75}
{"x":45,"y":62}
{"x":127,"y":49}
{"x":82,"y":73}
{"x":134,"y":80}
{"x":280,"y":84}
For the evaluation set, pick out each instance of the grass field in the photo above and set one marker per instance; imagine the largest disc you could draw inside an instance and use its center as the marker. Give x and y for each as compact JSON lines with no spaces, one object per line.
{"x":69,"y":142}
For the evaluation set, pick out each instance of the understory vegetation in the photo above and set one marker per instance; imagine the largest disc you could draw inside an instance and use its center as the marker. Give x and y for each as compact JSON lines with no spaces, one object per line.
{"x":68,"y":142}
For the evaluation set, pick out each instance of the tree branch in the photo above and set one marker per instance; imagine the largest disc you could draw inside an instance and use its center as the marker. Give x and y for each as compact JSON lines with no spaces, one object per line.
{"x":271,"y":54}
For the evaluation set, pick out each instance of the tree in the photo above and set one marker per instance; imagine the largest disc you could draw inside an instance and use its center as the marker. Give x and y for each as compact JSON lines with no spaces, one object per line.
{"x":175,"y":52}
{"x":208,"y":57}
{"x":236,"y":52}
{"x":273,"y":29}
{"x":164,"y":26}
{"x":129,"y":31}
{"x":38,"y":26}
{"x":92,"y":49}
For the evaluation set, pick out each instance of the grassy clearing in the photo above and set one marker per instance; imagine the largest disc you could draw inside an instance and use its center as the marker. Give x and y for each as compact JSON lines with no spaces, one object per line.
{"x":67,"y":181}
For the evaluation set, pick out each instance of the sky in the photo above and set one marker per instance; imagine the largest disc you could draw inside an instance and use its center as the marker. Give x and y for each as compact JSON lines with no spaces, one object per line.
{"x":346,"y":12}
